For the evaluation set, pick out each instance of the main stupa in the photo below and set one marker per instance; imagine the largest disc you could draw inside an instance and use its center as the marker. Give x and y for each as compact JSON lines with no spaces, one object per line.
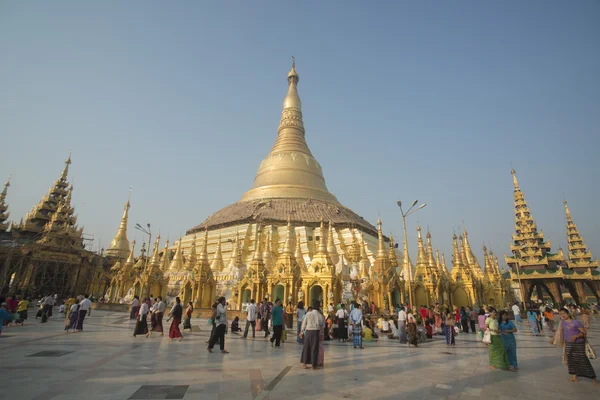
{"x":287,"y":237}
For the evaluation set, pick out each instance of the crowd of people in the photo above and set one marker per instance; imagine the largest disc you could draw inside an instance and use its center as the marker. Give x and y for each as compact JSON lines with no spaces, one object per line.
{"x":352,"y":323}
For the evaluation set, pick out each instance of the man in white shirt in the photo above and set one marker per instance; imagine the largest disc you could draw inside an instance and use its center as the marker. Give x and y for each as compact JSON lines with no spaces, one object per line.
{"x":85,"y":307}
{"x":517,"y":311}
{"x":402,"y":325}
{"x":252,"y":310}
{"x":356,"y":322}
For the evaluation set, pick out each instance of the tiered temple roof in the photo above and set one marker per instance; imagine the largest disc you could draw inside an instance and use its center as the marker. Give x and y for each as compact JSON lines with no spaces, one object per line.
{"x":579,"y":255}
{"x":529,"y":249}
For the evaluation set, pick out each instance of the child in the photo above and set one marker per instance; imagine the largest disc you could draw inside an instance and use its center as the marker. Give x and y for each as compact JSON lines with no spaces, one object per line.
{"x":235,"y":325}
{"x":429,"y":329}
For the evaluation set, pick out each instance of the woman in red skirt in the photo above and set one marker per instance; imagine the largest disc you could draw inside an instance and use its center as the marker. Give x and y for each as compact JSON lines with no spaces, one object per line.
{"x":176,"y":313}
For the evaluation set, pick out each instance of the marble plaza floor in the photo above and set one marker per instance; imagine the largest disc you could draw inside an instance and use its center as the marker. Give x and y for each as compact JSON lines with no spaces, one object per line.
{"x":41,"y":362}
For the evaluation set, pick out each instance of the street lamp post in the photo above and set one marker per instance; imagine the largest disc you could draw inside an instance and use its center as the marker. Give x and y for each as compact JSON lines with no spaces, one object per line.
{"x":404,"y":215}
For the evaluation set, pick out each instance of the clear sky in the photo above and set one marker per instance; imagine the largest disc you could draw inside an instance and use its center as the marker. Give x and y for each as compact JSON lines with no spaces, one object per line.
{"x":402,"y":100}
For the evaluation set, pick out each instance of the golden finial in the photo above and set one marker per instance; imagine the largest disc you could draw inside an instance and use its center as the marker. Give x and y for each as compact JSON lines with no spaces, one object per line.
{"x":257,"y":254}
{"x":514,"y":175}
{"x":293,"y":74}
{"x":65,"y":172}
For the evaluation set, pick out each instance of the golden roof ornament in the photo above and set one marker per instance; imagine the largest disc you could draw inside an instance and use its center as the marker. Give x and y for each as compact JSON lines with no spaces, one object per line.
{"x":300,"y":257}
{"x":392,"y":252}
{"x":119,"y":246}
{"x":156,"y":252}
{"x":131,"y":259}
{"x":257,"y":254}
{"x":166,"y":257}
{"x":217,"y":264}
{"x":331,"y":249}
{"x":288,"y":247}
{"x":579,"y":254}
{"x":204,"y":253}
{"x":381,"y":253}
{"x":290,"y":170}
{"x":192,"y":259}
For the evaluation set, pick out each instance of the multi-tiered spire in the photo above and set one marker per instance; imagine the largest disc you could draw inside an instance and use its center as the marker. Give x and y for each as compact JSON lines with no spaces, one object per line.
{"x":579,"y":255}
{"x":41,"y":213}
{"x":528,"y":248}
{"x":119,"y":246}
{"x":3,"y":208}
{"x":422,"y":267}
{"x":459,"y":272}
{"x":470,"y":257}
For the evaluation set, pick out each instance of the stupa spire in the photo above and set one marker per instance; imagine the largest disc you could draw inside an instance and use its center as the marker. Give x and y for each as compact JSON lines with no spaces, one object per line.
{"x":430,"y":257}
{"x":331,"y":249}
{"x":579,"y":255}
{"x":131,"y":259}
{"x":155,"y":259}
{"x":4,"y":207}
{"x":177,"y":262}
{"x":65,"y":172}
{"x":322,"y":249}
{"x":166,"y":255}
{"x":192,"y":258}
{"x":288,"y":247}
{"x":257,"y":254}
{"x":381,"y":253}
{"x":119,"y":246}
{"x":392,"y":252}
{"x":290,"y":170}
{"x":528,"y":248}
{"x":204,"y":253}
{"x":300,"y":257}
{"x":217,"y":264}
{"x":421,"y":267}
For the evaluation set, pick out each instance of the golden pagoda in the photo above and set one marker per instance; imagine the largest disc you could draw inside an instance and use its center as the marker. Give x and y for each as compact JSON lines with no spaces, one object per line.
{"x":119,"y":246}
{"x":290,"y":197}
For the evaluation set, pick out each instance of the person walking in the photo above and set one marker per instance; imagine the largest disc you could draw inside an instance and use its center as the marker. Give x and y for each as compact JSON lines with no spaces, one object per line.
{"x":187,"y":321}
{"x":73,"y":313}
{"x":341,"y":318}
{"x":517,"y":312}
{"x":265,"y":315}
{"x":221,"y":327}
{"x":402,"y":317}
{"x":141,"y":325}
{"x":507,"y":330}
{"x":157,"y":316}
{"x":311,"y":326}
{"x":356,"y":318}
{"x":533,"y":322}
{"x":252,"y":310}
{"x":4,"y":315}
{"x":571,"y":334}
{"x":481,"y":320}
{"x":22,"y":310}
{"x":135,"y":307}
{"x":300,"y":314}
{"x":176,"y":314}
{"x":277,"y":318}
{"x":85,"y":308}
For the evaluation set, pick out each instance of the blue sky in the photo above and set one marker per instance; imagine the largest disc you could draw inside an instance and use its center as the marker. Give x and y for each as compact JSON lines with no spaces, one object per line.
{"x":401,"y":100}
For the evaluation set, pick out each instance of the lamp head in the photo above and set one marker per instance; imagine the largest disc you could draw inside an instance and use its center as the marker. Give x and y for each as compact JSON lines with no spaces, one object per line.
{"x":148,"y":225}
{"x":414,"y":203}
{"x":422,"y":206}
{"x":399,"y":203}
{"x":138,"y":225}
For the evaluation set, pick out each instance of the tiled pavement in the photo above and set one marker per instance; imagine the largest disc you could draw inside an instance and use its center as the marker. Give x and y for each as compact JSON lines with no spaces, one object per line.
{"x":41,"y":362}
